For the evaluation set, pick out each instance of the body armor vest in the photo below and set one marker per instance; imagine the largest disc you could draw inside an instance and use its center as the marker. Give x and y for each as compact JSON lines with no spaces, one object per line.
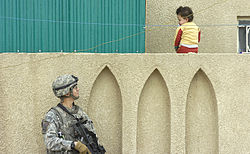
{"x":66,"y":121}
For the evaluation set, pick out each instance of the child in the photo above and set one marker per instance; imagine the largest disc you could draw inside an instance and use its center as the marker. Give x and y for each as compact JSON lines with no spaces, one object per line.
{"x":188,"y":33}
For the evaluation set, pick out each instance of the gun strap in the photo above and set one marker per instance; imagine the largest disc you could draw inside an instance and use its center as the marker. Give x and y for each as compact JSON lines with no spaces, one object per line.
{"x":64,"y":109}
{"x":101,"y":148}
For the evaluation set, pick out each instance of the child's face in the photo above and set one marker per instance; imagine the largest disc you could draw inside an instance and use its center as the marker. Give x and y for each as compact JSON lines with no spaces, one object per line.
{"x":182,"y":20}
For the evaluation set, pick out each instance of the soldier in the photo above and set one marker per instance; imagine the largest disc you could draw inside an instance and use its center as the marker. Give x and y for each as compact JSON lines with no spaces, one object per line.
{"x":59,"y":135}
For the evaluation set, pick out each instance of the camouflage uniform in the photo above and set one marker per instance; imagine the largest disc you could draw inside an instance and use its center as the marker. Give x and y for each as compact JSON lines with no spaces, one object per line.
{"x":57,"y":130}
{"x":57,"y":125}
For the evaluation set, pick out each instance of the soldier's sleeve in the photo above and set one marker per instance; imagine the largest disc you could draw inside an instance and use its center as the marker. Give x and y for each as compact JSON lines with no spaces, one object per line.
{"x":50,"y":130}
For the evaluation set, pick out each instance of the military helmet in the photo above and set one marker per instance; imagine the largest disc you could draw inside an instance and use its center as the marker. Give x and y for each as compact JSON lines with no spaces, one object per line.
{"x":62,"y":85}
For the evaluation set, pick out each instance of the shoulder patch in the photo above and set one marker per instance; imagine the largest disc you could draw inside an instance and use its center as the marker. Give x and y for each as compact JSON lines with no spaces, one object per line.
{"x":45,"y":125}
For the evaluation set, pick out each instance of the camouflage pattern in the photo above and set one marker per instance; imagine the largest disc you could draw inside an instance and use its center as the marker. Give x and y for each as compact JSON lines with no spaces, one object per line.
{"x":61,"y":86}
{"x":57,"y":130}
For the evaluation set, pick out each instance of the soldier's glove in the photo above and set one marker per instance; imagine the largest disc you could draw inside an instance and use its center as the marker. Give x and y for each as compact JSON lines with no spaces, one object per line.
{"x":83,"y":149}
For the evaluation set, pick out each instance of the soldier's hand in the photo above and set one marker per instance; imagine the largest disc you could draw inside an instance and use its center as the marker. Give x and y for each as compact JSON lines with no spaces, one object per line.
{"x":83,"y":149}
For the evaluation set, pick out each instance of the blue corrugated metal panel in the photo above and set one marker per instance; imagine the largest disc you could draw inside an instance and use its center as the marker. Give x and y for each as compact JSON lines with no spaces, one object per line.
{"x":68,"y":25}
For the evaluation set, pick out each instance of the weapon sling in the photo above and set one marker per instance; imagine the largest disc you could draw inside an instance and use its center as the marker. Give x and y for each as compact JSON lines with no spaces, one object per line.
{"x":94,"y":149}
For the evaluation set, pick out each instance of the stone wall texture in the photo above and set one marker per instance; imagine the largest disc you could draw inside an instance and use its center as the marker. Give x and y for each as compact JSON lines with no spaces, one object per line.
{"x":140,"y":103}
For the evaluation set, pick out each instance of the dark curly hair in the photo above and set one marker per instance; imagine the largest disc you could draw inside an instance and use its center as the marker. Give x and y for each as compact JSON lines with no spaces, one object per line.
{"x":185,"y":12}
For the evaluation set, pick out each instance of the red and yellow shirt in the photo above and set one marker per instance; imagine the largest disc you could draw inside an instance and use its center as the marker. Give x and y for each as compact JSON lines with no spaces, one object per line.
{"x":187,"y":35}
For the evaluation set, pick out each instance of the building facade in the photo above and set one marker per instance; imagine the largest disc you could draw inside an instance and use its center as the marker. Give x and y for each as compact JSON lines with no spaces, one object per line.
{"x":153,"y":102}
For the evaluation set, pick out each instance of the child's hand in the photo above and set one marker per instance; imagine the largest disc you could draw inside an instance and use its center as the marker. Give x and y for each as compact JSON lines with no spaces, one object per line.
{"x":176,"y":48}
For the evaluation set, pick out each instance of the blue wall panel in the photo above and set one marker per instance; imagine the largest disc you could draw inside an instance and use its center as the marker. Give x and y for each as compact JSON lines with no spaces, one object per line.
{"x":101,"y":26}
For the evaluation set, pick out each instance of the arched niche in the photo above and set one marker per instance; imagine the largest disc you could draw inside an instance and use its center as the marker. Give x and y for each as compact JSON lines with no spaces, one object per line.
{"x":105,"y":109}
{"x":201,"y":116}
{"x":153,"y":125}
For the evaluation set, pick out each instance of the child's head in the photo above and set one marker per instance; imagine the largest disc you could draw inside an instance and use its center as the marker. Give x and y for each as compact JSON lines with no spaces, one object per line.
{"x":184,"y":14}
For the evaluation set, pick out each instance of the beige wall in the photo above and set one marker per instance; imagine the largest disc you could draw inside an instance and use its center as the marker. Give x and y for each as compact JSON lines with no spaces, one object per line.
{"x":140,"y":103}
{"x":214,"y":39}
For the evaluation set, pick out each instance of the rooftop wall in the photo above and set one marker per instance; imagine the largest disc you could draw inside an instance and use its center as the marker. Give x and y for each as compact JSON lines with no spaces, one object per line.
{"x":140,"y":103}
{"x":217,"y":21}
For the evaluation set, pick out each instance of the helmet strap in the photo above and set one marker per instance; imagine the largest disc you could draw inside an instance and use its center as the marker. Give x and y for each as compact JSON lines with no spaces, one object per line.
{"x":71,"y":94}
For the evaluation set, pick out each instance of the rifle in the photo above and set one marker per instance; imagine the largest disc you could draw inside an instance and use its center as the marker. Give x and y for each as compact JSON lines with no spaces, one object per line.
{"x":84,"y":135}
{"x":87,"y":137}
